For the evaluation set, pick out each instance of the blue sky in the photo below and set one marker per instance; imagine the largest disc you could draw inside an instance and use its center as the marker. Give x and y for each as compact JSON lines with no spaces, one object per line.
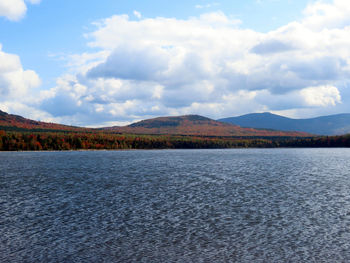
{"x":108,"y":62}
{"x":56,"y":28}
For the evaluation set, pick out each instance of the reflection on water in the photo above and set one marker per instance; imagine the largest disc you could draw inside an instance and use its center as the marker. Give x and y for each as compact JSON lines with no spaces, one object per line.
{"x":273,"y":205}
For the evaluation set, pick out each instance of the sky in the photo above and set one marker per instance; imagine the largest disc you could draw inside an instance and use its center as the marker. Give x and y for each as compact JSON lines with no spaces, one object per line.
{"x":111,"y":62}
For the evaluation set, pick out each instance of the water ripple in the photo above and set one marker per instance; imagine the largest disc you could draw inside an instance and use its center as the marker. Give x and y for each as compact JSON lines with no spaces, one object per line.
{"x":278,"y":205}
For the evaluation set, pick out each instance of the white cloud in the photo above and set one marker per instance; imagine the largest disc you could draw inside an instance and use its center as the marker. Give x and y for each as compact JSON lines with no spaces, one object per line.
{"x":321,"y":96}
{"x":321,"y":15}
{"x":137,"y":14}
{"x":207,"y":65}
{"x":15,"y":10}
{"x":15,"y":81}
{"x":18,"y":87}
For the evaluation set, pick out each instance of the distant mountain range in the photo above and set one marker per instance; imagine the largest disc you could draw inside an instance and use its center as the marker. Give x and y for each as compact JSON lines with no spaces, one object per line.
{"x":179,"y":125}
{"x":326,"y":125}
{"x":197,"y":125}
{"x":255,"y":124}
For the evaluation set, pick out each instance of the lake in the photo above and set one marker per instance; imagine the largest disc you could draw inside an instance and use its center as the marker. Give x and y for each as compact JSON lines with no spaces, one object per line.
{"x":240,"y":205}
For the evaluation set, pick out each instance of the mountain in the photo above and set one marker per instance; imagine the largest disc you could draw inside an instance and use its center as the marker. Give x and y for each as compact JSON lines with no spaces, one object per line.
{"x":16,"y":122}
{"x":325,"y":125}
{"x":195,"y":125}
{"x":180,"y":125}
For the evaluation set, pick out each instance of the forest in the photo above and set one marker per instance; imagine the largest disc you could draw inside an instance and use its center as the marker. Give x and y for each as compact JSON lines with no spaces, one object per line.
{"x":58,"y":141}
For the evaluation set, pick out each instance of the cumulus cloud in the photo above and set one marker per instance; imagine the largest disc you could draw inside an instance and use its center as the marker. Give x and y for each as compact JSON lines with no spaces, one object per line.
{"x":126,"y":63}
{"x":321,"y":96}
{"x":207,"y":65}
{"x":15,"y":81}
{"x":15,"y":10}
{"x":322,"y":15}
{"x":19,"y":87}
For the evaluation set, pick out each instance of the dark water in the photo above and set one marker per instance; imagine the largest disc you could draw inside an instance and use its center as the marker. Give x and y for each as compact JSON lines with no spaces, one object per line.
{"x":281,"y":205}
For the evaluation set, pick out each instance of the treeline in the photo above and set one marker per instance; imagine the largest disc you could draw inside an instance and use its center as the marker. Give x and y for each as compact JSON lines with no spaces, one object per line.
{"x":22,"y":141}
{"x":16,"y":141}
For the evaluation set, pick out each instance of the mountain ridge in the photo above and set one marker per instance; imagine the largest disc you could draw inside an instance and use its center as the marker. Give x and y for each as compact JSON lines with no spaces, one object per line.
{"x":16,"y":121}
{"x":188,"y":125}
{"x":337,"y":124}
{"x":196,"y":125}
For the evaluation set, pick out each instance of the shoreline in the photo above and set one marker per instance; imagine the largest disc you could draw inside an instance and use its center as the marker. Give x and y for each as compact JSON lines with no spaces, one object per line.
{"x":172,"y":149}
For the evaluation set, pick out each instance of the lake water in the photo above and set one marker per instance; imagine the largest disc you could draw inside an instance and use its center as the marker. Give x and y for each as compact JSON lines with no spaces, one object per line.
{"x":245,"y":205}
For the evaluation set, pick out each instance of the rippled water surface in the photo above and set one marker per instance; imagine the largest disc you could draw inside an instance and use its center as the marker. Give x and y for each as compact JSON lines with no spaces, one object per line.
{"x":279,"y":205}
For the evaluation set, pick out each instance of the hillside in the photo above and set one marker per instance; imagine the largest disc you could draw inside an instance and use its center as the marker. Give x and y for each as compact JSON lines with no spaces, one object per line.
{"x":16,"y":122}
{"x":180,"y":125}
{"x":325,"y":125}
{"x":195,"y":125}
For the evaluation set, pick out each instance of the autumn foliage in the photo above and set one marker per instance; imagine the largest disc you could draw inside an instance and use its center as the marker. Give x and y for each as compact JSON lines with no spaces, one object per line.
{"x":23,"y":141}
{"x":182,"y":132}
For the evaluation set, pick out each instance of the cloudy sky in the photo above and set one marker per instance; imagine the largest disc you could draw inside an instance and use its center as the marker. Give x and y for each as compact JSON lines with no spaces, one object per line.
{"x":111,"y":62}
